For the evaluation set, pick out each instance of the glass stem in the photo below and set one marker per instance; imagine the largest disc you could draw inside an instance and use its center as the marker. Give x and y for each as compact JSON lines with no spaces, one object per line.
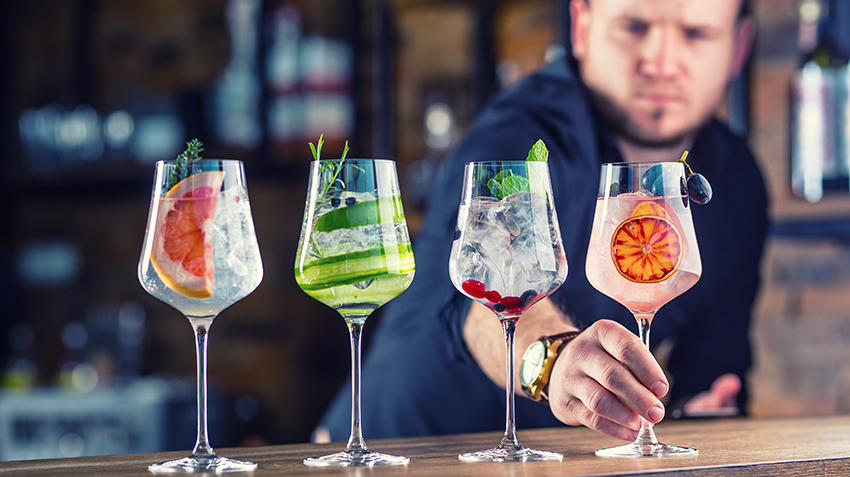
{"x":647,"y":435}
{"x":356,"y":443}
{"x":202,"y":449}
{"x":510,"y":440}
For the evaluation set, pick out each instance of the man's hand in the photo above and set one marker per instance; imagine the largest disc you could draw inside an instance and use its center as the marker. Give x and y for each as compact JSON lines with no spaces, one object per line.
{"x":606,"y":379}
{"x":720,"y":399}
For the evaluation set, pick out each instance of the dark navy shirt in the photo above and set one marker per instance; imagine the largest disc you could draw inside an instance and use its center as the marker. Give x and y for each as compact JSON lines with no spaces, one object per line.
{"x":419,"y":378}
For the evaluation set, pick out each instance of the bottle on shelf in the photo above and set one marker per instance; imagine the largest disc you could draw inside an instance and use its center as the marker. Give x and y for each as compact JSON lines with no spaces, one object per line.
{"x":820,"y":109}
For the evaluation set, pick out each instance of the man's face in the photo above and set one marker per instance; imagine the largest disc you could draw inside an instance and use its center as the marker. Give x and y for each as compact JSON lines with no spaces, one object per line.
{"x":657,"y":69}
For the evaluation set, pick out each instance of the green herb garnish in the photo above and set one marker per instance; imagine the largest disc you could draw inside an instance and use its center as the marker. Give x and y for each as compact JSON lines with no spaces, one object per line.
{"x":184,"y":161}
{"x":329,"y":170}
{"x":538,"y":152}
{"x":506,"y":182}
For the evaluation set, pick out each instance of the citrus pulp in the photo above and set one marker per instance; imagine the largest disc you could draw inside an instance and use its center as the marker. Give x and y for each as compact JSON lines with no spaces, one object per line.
{"x":182,"y":253}
{"x":646,"y":248}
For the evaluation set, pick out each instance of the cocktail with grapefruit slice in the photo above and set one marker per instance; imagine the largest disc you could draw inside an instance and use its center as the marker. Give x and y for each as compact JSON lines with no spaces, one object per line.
{"x":200,"y":255}
{"x":643,"y":253}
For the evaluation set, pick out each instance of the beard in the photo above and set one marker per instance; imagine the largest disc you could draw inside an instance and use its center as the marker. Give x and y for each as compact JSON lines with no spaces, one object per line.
{"x":622,"y":124}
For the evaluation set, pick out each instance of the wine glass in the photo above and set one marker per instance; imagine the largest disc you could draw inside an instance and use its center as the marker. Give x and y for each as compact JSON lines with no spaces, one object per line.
{"x":507,"y":254}
{"x":643,"y":253}
{"x":354,"y":255}
{"x":200,"y":255}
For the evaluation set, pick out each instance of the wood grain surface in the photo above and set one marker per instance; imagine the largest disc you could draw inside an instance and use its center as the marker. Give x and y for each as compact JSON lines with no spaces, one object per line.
{"x":727,"y":447}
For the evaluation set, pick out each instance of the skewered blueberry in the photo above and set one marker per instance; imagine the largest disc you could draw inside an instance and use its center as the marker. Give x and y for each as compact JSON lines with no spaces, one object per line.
{"x":350,"y":201}
{"x":653,"y":180}
{"x":335,"y":202}
{"x":499,"y":307}
{"x":457,"y":233}
{"x":699,"y":190}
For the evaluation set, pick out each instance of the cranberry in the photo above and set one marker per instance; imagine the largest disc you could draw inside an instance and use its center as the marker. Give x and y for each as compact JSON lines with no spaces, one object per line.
{"x":474,"y":288}
{"x":493,"y":296}
{"x":510,"y":301}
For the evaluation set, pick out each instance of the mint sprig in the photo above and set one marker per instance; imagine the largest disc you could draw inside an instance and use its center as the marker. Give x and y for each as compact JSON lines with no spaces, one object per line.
{"x":538,"y":152}
{"x":193,"y":151}
{"x":506,"y":182}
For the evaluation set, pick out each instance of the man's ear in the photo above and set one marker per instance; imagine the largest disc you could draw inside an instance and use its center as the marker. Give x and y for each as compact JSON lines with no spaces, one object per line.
{"x":743,"y":42}
{"x":580,"y":16}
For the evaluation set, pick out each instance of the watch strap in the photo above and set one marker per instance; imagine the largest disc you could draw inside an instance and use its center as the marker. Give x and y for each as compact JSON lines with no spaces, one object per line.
{"x":538,"y":390}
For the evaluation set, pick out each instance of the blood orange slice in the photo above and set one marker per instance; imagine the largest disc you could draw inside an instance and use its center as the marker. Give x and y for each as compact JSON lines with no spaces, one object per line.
{"x":650,"y":208}
{"x":646,"y":249}
{"x":182,"y":253}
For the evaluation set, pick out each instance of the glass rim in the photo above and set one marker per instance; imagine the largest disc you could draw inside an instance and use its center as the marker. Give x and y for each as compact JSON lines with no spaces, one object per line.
{"x":195,"y":161}
{"x":506,"y":161}
{"x":354,"y":159}
{"x":637,"y":164}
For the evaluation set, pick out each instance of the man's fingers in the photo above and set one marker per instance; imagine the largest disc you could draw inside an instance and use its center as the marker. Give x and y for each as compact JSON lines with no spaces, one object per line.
{"x":600,"y":401}
{"x":722,"y":394}
{"x":726,"y":389}
{"x":615,"y":366}
{"x":626,"y":348}
{"x":592,"y":420}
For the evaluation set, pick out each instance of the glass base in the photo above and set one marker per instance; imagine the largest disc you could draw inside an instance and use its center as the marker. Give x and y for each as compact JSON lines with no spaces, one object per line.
{"x":194,"y":464}
{"x":646,"y":450}
{"x":356,"y":459}
{"x":497,"y":454}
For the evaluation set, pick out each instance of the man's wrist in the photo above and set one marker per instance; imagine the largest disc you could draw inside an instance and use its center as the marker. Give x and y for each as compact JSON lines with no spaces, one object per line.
{"x":538,"y":361}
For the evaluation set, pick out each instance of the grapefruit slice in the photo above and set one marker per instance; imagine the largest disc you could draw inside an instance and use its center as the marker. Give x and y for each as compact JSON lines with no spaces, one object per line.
{"x":646,"y":249}
{"x":182,"y":253}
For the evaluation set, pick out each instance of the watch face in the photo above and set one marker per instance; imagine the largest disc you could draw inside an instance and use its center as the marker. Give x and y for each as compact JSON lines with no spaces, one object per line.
{"x":532,"y":363}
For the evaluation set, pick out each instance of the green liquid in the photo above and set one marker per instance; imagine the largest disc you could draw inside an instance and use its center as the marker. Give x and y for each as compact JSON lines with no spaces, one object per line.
{"x":342,"y":281}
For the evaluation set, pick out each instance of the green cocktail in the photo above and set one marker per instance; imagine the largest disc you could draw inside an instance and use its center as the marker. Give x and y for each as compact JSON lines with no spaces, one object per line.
{"x":354,"y":255}
{"x":354,"y":258}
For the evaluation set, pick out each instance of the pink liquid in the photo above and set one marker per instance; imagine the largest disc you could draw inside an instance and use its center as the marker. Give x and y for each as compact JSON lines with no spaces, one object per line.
{"x":601,"y":268}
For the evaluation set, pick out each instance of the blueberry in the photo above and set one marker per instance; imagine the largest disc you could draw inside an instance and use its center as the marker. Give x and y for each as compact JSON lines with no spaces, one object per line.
{"x":335,"y":202}
{"x":699,"y":190}
{"x":350,"y":201}
{"x":653,"y":180}
{"x":499,"y":307}
{"x":457,"y":233}
{"x":526,"y":297}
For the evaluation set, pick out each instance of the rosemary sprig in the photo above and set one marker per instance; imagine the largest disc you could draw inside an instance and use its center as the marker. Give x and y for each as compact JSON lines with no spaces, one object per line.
{"x":329,"y":170}
{"x":193,"y":151}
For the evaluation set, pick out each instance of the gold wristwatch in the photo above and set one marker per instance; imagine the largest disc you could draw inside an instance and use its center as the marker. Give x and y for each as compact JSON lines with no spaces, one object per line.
{"x":537,"y":363}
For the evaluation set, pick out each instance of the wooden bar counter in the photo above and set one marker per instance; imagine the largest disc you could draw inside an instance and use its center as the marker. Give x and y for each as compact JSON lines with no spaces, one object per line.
{"x":727,"y":447}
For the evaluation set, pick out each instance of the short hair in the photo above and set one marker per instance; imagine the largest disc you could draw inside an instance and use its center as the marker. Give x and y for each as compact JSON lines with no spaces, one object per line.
{"x":744,"y":9}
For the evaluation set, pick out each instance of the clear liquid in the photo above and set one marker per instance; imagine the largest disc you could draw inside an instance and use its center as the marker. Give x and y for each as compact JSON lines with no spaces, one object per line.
{"x":512,"y":247}
{"x":237,"y":264}
{"x":602,"y":271}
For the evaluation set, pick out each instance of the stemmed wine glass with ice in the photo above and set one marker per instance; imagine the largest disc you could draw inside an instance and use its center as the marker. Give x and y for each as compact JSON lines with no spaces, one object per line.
{"x":507,"y":254}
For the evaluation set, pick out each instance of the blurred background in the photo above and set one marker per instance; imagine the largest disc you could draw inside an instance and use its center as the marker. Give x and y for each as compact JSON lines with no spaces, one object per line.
{"x":95,"y":91}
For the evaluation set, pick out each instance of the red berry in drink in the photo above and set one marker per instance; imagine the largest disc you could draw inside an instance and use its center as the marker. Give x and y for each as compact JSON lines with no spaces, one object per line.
{"x":510,"y":301}
{"x":493,"y":296}
{"x":474,"y":288}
